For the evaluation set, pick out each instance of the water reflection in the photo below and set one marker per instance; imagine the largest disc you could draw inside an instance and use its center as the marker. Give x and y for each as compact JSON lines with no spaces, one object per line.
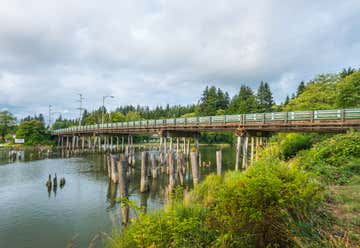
{"x":88,"y":204}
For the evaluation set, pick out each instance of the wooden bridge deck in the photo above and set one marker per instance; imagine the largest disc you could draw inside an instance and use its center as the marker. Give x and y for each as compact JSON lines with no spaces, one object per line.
{"x":338,"y":120}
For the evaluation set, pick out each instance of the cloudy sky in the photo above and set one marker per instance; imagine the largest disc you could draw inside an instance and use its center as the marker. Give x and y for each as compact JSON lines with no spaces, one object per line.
{"x":157,"y":52}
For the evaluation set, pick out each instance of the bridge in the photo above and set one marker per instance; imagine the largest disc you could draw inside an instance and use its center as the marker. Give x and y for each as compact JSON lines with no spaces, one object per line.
{"x":257,"y":126}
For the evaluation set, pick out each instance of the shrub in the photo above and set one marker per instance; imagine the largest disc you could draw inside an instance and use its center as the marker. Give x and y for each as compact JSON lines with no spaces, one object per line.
{"x":292,"y":143}
{"x":335,"y":159}
{"x":251,"y":207}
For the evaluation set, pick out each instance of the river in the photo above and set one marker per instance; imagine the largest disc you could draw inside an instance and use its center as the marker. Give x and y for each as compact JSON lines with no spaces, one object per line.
{"x":30,"y":216}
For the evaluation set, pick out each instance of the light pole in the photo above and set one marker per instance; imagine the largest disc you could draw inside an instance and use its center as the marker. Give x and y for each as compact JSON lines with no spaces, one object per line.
{"x":103,"y":110}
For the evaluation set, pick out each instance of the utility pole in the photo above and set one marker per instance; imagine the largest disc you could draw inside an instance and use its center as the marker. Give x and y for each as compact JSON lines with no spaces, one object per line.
{"x":50,"y":115}
{"x":80,"y":108}
{"x":103,"y":106}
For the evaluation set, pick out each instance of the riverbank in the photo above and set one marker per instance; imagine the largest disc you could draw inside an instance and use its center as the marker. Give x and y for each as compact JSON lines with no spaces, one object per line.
{"x":309,"y":199}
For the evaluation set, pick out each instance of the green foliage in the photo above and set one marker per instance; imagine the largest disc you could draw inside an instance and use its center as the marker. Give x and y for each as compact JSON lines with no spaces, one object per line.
{"x":336,"y":159}
{"x":292,"y":143}
{"x":243,"y":102}
{"x":251,"y":207}
{"x":7,"y":124}
{"x":264,"y":98}
{"x":212,"y":99}
{"x":178,"y":227}
{"x":242,"y":209}
{"x":301,"y":88}
{"x":33,"y":132}
{"x":318,"y":94}
{"x":217,"y":138}
{"x":348,"y":91}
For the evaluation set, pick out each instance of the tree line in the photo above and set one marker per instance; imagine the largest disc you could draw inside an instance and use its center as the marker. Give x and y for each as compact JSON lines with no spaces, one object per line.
{"x":326,"y":91}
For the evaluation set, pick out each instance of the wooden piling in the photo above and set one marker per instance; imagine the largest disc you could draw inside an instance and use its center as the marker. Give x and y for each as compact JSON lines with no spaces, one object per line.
{"x":123,"y":187}
{"x":252,"y":150}
{"x":114,"y":173}
{"x":245,"y":152}
{"x":194,"y":167}
{"x":219,"y":162}
{"x":154,"y":166}
{"x":180,"y":167}
{"x":172,"y":170}
{"x":144,"y":185}
{"x":238,"y":150}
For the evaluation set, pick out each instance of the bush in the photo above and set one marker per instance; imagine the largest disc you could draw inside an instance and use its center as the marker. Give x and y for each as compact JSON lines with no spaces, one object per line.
{"x":336,"y":159}
{"x":292,"y":143}
{"x":178,"y":227}
{"x":252,"y":208}
{"x":242,"y":209}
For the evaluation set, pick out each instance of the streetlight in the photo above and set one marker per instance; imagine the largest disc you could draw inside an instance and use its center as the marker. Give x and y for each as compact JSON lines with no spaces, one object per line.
{"x":103,"y":112}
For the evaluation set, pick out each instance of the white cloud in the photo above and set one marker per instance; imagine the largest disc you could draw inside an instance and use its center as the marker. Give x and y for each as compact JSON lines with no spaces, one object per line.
{"x":157,"y":52}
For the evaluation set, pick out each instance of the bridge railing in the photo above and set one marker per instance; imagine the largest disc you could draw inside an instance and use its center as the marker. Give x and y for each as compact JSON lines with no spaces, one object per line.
{"x":243,"y":119}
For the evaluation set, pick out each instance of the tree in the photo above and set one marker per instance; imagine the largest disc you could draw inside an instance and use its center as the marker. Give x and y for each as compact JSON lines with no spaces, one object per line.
{"x":347,"y":72}
{"x":348,"y":91}
{"x":264,"y":97}
{"x":300,"y":88}
{"x":212,"y":99}
{"x":243,"y":102}
{"x":318,"y":94}
{"x":33,"y":132}
{"x":287,"y":100}
{"x":132,"y":116}
{"x":7,"y":124}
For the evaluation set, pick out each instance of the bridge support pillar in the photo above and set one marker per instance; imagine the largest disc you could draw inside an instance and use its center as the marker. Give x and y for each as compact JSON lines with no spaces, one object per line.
{"x":238,"y":151}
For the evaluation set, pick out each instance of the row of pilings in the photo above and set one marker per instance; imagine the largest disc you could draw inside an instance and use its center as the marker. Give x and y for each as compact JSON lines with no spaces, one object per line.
{"x":176,"y":157}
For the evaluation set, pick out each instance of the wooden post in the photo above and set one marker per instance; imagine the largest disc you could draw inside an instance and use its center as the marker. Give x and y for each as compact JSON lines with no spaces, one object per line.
{"x":122,"y":143}
{"x":218,"y":162}
{"x":99,"y":139}
{"x":238,"y":149}
{"x":144,"y":185}
{"x":154,"y":166}
{"x":117,"y":143}
{"x":165,"y":148}
{"x":196,"y":141}
{"x":194,"y":167}
{"x":67,"y":142}
{"x":188,"y":148}
{"x":245,"y":152}
{"x":252,"y":150}
{"x":89,"y":142}
{"x":171,"y":144}
{"x":114,"y":173}
{"x":82,"y":143}
{"x":111,"y":143}
{"x":123,"y":188}
{"x":199,"y":158}
{"x":172,"y":170}
{"x":184,"y":145}
{"x":180,"y":167}
{"x":177,"y":145}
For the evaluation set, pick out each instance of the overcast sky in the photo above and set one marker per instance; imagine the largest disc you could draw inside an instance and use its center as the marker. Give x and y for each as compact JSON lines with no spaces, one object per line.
{"x":158,"y":52}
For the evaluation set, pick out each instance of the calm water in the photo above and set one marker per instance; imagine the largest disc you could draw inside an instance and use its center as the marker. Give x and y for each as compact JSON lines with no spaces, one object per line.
{"x":30,"y":216}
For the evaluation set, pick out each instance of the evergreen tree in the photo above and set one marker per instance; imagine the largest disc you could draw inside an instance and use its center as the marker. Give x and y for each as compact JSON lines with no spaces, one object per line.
{"x":300,"y":88}
{"x":287,"y":100}
{"x":244,"y":102}
{"x":264,"y":98}
{"x":346,"y":72}
{"x":212,"y":99}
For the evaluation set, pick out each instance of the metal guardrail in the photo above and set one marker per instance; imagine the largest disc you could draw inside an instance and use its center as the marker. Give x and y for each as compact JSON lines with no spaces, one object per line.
{"x":274,"y":117}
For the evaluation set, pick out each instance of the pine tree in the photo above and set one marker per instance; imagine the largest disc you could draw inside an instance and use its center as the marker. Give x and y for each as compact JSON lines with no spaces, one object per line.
{"x":264,"y":98}
{"x":243,"y":102}
{"x":287,"y":100}
{"x":300,"y":88}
